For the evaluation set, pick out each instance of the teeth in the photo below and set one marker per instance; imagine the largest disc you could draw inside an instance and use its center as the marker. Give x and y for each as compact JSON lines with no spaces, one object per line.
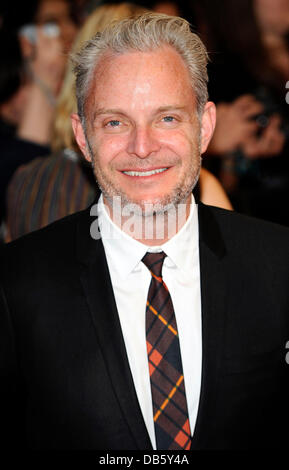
{"x":144,"y":173}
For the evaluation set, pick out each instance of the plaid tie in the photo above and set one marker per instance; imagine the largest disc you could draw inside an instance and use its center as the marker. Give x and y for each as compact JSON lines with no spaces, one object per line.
{"x":170,"y":411}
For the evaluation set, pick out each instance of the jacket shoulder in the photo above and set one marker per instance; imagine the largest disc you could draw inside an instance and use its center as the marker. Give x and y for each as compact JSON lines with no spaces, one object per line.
{"x":56,"y":241}
{"x":231,"y":221}
{"x":244,"y":236}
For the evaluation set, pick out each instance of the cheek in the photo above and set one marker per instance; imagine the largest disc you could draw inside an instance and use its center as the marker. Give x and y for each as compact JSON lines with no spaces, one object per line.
{"x":108,"y":148}
{"x":181,"y":144}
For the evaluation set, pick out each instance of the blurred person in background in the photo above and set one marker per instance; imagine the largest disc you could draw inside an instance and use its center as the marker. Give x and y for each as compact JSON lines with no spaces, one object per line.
{"x":248,"y":45}
{"x":45,"y":54}
{"x":50,"y":188}
{"x":34,"y":46}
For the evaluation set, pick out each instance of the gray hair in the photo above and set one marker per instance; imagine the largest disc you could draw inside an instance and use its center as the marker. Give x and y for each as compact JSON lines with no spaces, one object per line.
{"x":143,"y":33}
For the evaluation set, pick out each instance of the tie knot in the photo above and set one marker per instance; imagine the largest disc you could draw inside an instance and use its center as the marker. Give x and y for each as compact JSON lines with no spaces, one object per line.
{"x":154,"y":262}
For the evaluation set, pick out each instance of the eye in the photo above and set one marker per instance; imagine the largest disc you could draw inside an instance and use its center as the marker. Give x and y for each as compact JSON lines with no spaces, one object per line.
{"x":115,"y":126}
{"x":168,"y":119}
{"x":168,"y":122}
{"x":113,"y":123}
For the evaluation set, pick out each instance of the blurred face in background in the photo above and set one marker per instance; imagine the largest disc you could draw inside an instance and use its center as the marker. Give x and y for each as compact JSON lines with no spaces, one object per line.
{"x":58,"y":11}
{"x":272,"y":16}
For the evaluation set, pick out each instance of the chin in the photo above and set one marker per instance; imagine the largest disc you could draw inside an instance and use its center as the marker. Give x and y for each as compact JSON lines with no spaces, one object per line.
{"x":161,"y":202}
{"x":158,"y":204}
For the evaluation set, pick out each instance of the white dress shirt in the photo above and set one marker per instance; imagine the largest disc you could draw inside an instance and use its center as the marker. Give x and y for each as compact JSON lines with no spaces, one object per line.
{"x":131,"y":279}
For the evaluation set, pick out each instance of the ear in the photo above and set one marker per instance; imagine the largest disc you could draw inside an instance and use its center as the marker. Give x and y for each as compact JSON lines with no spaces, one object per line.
{"x":207,"y":125}
{"x":79,"y":135}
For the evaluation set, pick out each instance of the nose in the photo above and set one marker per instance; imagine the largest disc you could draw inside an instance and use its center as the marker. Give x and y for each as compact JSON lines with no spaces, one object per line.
{"x":143,"y":142}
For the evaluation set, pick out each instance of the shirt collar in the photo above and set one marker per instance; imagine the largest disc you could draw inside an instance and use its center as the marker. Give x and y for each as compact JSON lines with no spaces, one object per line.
{"x":125,"y":252}
{"x":181,"y":248}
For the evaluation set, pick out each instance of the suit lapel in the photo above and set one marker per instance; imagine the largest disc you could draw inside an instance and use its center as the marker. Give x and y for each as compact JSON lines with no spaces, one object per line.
{"x":213,"y":289}
{"x":97,"y":286}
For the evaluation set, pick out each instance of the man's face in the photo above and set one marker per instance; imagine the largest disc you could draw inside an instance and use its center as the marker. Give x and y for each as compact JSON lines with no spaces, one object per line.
{"x":143,"y":131}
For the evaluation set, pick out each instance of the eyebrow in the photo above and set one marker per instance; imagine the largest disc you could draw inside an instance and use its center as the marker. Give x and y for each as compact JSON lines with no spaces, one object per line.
{"x":161,"y":109}
{"x":101,"y":111}
{"x":164,"y":109}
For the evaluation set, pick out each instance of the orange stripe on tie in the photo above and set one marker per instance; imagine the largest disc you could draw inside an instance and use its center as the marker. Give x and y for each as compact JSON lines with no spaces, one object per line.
{"x":159,"y":279}
{"x":162,"y":319}
{"x":173,"y":391}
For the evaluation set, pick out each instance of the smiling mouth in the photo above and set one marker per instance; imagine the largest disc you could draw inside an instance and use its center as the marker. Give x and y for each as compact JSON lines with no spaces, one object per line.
{"x":145,"y":173}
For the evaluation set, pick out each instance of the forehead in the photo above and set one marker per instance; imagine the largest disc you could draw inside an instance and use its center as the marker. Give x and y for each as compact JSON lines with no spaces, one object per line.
{"x":157,"y":77}
{"x":52,"y":9}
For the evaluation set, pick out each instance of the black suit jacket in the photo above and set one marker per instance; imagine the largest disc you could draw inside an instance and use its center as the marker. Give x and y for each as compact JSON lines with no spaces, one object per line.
{"x":65,"y":377}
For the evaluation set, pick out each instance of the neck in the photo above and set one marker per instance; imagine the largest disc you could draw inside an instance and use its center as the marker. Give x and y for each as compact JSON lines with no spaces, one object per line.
{"x":152,"y":229}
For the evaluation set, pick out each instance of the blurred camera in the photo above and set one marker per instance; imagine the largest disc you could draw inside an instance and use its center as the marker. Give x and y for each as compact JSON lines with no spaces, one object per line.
{"x":270,"y":106}
{"x":28,"y":31}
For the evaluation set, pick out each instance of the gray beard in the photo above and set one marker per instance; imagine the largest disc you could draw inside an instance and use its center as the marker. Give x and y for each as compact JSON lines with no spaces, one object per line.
{"x":179,"y":195}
